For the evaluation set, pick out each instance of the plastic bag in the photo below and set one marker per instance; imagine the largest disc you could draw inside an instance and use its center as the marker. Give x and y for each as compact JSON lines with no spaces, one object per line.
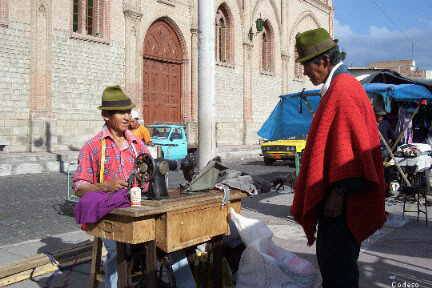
{"x":250,"y":230}
{"x":264,"y":264}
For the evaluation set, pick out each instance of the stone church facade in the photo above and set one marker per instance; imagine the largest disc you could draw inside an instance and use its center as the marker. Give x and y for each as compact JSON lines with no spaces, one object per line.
{"x":56,"y":56}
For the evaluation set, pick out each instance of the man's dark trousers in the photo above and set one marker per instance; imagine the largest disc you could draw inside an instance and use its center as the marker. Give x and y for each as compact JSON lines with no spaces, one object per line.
{"x":337,"y":253}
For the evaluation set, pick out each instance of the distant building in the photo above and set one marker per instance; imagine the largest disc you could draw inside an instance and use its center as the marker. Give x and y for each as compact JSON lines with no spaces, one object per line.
{"x":406,"y":68}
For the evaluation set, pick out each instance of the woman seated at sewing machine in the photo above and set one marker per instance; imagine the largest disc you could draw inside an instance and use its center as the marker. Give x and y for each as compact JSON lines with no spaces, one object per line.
{"x":117,"y":148}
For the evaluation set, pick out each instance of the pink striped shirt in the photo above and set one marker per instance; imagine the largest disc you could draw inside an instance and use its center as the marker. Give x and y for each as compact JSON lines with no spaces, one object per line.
{"x":119,"y":161}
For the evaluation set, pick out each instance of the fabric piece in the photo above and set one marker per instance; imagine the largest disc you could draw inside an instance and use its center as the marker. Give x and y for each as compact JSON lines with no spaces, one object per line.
{"x":343,"y":142}
{"x":421,"y":162}
{"x":93,"y":206}
{"x":234,"y":179}
{"x":142,"y":133}
{"x":119,"y":161}
{"x":404,"y":125}
{"x":337,"y":254}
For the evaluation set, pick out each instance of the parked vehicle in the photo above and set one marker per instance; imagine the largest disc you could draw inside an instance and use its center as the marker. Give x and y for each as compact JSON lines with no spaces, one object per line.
{"x":172,"y":138}
{"x":281,"y":150}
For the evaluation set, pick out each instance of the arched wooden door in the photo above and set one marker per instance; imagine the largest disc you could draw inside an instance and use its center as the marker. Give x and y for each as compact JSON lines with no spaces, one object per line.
{"x":163,"y":56}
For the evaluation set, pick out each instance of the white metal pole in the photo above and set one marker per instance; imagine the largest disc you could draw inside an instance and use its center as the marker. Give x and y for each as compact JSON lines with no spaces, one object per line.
{"x":206,"y":81}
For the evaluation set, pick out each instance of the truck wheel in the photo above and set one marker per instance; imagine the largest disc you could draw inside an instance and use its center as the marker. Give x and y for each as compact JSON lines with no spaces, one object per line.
{"x":268,"y":161}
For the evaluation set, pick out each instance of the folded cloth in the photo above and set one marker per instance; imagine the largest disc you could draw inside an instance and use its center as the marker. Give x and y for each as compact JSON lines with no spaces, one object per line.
{"x":243,"y":183}
{"x":93,"y":206}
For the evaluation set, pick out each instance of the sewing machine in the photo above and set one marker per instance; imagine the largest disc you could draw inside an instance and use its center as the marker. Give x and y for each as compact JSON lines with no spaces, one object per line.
{"x":152,"y":171}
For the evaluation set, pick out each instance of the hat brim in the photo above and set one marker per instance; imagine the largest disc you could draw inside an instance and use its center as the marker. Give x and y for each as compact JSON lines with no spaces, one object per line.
{"x":380,"y":113}
{"x":118,"y":108}
{"x":319,"y":52}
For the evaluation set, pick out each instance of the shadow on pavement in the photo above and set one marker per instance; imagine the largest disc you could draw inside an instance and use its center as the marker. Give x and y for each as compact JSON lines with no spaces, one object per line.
{"x":289,"y":163}
{"x":69,"y":274}
{"x":399,"y":259}
{"x":258,"y":204}
{"x":65,"y":208}
{"x":402,"y":256}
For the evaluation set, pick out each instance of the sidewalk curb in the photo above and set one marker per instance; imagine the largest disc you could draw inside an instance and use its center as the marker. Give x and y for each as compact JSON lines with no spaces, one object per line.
{"x":41,"y":264}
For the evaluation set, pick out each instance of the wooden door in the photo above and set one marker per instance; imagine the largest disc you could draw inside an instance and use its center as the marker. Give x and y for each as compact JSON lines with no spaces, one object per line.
{"x":162,"y":75}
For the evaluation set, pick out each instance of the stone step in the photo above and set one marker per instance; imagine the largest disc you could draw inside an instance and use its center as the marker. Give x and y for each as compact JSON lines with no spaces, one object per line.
{"x":238,"y":151}
{"x":35,"y":162}
{"x":15,"y":163}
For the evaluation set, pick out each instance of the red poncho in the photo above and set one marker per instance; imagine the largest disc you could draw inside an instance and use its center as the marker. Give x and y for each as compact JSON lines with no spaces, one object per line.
{"x":343,"y":142}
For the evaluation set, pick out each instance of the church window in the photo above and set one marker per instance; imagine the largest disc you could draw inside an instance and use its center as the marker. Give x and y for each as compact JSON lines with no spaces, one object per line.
{"x":4,"y":13}
{"x":89,"y":17}
{"x":298,"y":68}
{"x":267,"y":48}
{"x":224,"y":46}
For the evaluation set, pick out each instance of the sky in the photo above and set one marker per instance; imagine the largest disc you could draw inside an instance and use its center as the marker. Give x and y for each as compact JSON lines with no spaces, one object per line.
{"x":378,"y":30}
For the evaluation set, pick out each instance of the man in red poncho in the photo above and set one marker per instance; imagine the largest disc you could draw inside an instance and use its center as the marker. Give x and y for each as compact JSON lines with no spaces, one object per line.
{"x":340,"y":187}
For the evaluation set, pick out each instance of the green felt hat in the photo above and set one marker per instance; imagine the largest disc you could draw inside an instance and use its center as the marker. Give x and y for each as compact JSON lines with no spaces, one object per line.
{"x":313,"y":43}
{"x":113,"y":98}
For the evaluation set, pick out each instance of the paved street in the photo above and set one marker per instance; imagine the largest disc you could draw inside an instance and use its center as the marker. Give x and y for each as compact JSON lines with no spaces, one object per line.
{"x":34,"y":206}
{"x":398,"y":253}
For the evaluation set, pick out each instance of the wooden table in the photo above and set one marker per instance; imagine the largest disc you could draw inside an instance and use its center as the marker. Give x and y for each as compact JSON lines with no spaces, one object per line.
{"x":181,"y":221}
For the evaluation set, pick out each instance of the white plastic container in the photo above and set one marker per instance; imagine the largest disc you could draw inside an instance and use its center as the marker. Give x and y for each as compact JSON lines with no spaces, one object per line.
{"x":135,"y":196}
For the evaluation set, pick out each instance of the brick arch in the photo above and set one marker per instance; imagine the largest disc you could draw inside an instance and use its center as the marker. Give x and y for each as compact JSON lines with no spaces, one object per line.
{"x":267,"y":49}
{"x":298,"y":68}
{"x":161,"y":41}
{"x":257,"y":9}
{"x":300,"y":19}
{"x":269,"y":12}
{"x":163,"y":55}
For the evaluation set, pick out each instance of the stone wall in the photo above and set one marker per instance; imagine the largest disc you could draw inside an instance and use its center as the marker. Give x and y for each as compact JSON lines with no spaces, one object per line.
{"x":15,"y":65}
{"x":78,"y":68}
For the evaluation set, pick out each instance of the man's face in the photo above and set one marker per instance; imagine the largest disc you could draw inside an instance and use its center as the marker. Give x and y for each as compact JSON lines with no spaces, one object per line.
{"x":379,"y":118}
{"x":133,"y":124}
{"x":118,"y":120}
{"x":317,"y":73}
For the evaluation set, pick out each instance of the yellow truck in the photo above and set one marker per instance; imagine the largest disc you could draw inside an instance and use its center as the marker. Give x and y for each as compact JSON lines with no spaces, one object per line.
{"x":281,"y":150}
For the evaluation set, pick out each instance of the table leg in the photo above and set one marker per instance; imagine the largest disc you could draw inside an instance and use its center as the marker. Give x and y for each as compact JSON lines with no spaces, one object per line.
{"x":95,"y":262}
{"x":217,"y":251}
{"x":150,"y":264}
{"x":122,"y":265}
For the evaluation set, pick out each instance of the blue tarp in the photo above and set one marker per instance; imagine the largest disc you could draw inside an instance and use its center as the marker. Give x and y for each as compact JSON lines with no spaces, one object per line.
{"x":292,"y":116}
{"x":398,"y":93}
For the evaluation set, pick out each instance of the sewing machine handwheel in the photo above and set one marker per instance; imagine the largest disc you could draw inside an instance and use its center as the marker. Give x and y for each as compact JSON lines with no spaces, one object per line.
{"x":145,"y":164}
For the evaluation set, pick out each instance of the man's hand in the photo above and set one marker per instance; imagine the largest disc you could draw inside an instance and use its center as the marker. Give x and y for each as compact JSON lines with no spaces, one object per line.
{"x":114,"y":185}
{"x":333,"y":206}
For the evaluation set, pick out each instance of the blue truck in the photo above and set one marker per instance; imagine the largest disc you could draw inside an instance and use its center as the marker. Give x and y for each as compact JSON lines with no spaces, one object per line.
{"x":173,"y":140}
